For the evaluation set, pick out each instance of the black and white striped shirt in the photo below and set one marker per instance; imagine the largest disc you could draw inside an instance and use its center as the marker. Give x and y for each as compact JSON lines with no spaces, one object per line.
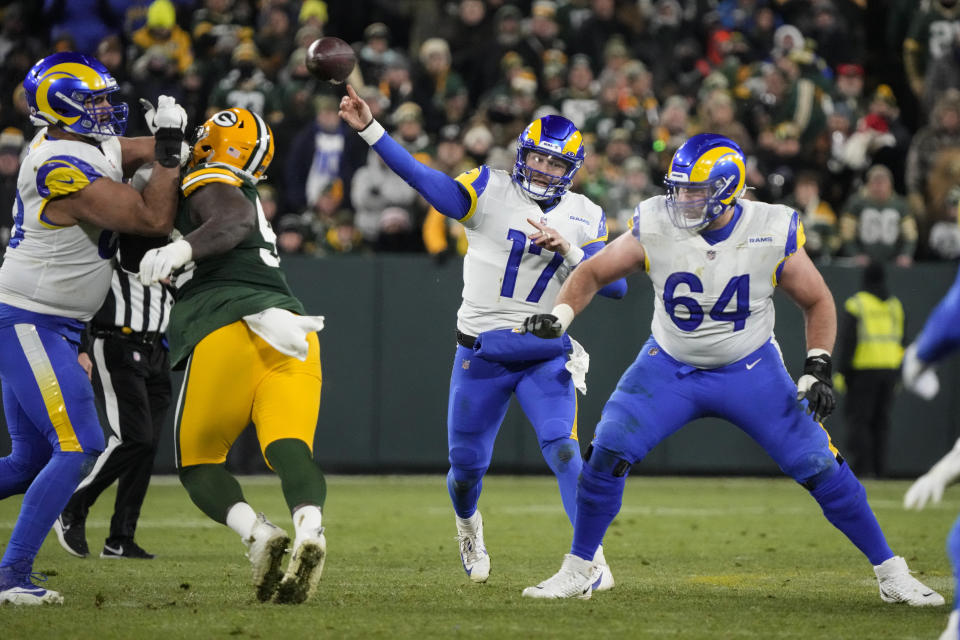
{"x":130,"y":304}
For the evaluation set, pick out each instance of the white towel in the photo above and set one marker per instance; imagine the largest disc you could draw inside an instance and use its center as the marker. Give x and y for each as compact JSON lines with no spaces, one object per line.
{"x":578,"y":363}
{"x":285,"y":331}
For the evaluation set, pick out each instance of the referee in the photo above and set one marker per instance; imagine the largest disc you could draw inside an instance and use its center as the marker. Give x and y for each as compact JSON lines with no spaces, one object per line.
{"x":131,"y":378}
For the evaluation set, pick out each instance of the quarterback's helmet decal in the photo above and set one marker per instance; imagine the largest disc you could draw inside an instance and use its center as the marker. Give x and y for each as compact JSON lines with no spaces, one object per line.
{"x":65,"y":89}
{"x":235,"y":138}
{"x":554,"y":136}
{"x":707,"y":174}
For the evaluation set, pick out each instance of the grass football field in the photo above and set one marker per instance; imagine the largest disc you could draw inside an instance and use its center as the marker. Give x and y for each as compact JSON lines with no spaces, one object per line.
{"x":693,"y":558}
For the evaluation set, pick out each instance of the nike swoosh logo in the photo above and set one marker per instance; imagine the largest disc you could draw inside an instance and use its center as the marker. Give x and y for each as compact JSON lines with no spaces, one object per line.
{"x":118,"y":550}
{"x":928,"y":593}
{"x":70,"y":181}
{"x":596,"y":585}
{"x":753,"y":364}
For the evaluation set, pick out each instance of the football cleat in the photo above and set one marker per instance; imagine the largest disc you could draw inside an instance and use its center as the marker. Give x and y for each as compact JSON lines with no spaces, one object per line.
{"x":17,"y":588}
{"x":897,"y":585}
{"x":576,"y":579}
{"x":473,"y":552}
{"x":605,"y":581}
{"x":303,"y":573}
{"x":266,"y":545}
{"x":71,"y":536}
{"x":124,"y":549}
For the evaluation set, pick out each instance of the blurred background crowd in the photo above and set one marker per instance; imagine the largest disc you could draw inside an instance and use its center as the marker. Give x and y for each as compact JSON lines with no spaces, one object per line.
{"x":848,"y":110}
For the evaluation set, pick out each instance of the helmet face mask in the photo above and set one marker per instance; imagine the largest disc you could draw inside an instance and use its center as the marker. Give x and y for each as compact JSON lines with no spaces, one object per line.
{"x":72,"y":91}
{"x":707,"y":175}
{"x":235,"y":138}
{"x":551,"y":139}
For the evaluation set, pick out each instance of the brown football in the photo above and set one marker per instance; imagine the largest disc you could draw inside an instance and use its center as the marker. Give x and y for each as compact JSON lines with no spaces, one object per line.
{"x":330,"y":59}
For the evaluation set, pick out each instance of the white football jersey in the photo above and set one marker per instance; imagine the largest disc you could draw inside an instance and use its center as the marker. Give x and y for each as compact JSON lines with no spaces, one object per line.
{"x":505,"y":276}
{"x":52,"y":269}
{"x":713,"y":302}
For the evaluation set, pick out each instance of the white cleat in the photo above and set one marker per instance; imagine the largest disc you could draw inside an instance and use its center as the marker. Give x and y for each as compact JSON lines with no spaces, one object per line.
{"x":473,"y":552}
{"x":303,"y":572}
{"x":576,"y":579}
{"x":605,"y":581}
{"x":897,"y":585}
{"x":266,"y":545}
{"x":953,"y":627}
{"x":29,"y":596}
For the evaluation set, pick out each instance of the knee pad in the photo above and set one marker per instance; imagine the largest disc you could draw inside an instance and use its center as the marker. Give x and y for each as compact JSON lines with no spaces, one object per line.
{"x":607,"y":462}
{"x":813,"y":470}
{"x":562,"y":454}
{"x":462,"y":480}
{"x":840,"y":489}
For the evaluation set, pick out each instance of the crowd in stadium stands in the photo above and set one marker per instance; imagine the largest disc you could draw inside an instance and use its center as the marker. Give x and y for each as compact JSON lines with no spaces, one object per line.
{"x":848,"y":111}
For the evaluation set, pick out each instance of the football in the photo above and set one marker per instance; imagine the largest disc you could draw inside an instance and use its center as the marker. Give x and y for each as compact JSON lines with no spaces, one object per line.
{"x":330,"y":59}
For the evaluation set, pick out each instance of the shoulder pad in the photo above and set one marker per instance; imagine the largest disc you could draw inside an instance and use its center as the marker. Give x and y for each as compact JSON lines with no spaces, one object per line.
{"x":203,"y":175}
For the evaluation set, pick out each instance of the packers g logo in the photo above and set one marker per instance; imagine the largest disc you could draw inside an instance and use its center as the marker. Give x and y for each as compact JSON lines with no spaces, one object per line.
{"x":225,"y":118}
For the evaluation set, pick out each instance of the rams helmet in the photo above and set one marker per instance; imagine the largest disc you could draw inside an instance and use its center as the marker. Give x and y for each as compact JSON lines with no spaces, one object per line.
{"x":63,"y":89}
{"x":707,"y":174}
{"x":235,"y":138}
{"x":555,"y":136}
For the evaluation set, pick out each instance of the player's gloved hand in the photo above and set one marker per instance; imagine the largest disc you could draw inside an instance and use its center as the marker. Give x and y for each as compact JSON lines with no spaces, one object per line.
{"x":167,"y":122}
{"x":542,"y":325}
{"x":816,"y":385}
{"x":929,"y":487}
{"x":918,"y":376}
{"x":158,"y":264}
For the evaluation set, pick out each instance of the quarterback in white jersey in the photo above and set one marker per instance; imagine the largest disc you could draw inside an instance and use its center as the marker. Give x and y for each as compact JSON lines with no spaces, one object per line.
{"x":715,"y":261}
{"x":526,"y":232}
{"x":56,"y":273}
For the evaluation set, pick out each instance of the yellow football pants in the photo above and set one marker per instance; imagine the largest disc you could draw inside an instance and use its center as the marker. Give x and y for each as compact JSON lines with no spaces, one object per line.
{"x":233,"y":377}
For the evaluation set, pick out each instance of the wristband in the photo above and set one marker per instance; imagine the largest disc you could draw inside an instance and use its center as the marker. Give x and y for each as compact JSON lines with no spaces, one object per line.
{"x":372,"y":132}
{"x":574,"y":256}
{"x":167,"y":143}
{"x":564,"y":314}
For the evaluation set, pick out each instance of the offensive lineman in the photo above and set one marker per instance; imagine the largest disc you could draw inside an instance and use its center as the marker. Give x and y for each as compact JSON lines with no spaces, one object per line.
{"x":715,"y":261}
{"x":70,"y":202}
{"x":508,"y":273}
{"x":247,"y":351}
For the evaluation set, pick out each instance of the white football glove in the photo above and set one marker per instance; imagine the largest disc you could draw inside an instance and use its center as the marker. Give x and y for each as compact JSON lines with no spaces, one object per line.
{"x":158,"y":264}
{"x":167,"y":114}
{"x":930,"y":486}
{"x":918,"y":376}
{"x":285,"y":331}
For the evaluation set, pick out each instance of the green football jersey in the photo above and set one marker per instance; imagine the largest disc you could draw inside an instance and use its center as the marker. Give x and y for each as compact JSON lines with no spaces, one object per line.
{"x":224,"y":288}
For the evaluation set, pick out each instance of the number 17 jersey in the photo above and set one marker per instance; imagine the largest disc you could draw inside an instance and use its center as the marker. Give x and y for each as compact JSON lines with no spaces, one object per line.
{"x":505,"y":276}
{"x":713,"y":291}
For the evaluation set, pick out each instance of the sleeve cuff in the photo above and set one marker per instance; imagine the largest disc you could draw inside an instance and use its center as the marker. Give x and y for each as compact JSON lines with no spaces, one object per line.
{"x":372,"y":132}
{"x":574,"y":256}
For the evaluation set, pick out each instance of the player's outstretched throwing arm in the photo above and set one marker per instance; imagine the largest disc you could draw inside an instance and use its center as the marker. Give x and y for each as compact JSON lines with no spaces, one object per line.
{"x":456,"y":197}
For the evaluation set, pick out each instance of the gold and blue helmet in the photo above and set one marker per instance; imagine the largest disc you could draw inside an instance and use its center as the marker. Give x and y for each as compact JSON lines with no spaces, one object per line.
{"x":554,"y":136}
{"x":707,"y":174}
{"x":64,"y":88}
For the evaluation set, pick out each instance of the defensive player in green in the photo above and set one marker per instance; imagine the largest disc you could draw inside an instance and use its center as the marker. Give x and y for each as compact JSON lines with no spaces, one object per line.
{"x":248,"y":352}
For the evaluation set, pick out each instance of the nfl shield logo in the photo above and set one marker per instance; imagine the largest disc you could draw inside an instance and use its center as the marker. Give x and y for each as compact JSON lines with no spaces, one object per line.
{"x":711,"y":254}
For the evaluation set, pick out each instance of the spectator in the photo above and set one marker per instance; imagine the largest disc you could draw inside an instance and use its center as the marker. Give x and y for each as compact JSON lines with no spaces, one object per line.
{"x":374,"y":189}
{"x":818,"y":218}
{"x":876,"y":225}
{"x":316,"y":156}
{"x":431,"y":81}
{"x":923,"y":44}
{"x":933,"y":161}
{"x":11,"y":146}
{"x":848,"y":89}
{"x":245,"y":86}
{"x":161,"y":31}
